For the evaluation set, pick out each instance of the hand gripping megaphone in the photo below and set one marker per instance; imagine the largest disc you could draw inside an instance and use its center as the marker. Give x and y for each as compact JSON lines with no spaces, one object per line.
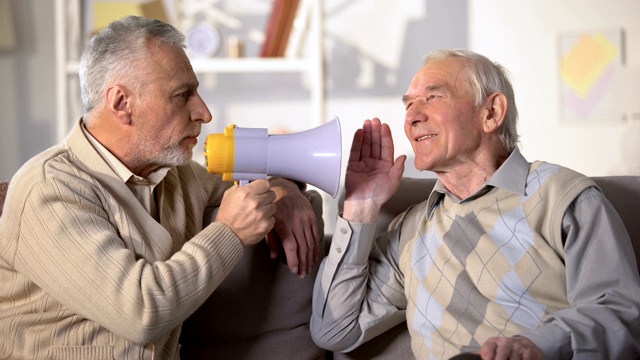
{"x":313,"y":156}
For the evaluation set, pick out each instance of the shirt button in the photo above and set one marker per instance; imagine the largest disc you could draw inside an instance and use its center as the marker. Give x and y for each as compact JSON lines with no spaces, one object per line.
{"x":338,"y":250}
{"x":343,"y":230}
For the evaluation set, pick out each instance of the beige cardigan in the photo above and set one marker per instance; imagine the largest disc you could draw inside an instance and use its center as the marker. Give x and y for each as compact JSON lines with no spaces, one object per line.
{"x":86,"y":273}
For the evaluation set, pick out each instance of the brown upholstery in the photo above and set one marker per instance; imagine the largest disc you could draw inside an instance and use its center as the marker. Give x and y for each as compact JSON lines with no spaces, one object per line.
{"x":260,"y":311}
{"x":3,"y":193}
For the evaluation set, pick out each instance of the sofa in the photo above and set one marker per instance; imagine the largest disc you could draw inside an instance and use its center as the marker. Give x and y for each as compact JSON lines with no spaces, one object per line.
{"x":262,"y":311}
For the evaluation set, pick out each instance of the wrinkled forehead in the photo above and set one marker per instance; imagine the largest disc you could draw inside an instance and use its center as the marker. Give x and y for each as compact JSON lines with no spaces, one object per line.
{"x":168,"y":65}
{"x":449,"y":73}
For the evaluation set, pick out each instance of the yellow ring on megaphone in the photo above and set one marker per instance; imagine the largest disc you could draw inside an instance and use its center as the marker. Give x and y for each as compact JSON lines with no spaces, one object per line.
{"x":219,"y":153}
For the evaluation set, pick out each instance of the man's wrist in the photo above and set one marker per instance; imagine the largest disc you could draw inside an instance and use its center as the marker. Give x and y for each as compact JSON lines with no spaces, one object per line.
{"x":360,"y":211}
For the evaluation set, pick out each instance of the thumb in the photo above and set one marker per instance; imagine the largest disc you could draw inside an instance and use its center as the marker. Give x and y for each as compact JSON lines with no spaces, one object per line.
{"x":397,"y":169}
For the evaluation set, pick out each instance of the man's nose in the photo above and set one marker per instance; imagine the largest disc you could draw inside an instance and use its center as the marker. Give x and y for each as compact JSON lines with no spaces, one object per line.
{"x":201,"y":113}
{"x":416,"y":113}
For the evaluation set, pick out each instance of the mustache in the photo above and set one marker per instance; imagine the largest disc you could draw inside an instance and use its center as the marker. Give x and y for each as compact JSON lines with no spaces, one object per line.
{"x":193,"y":132}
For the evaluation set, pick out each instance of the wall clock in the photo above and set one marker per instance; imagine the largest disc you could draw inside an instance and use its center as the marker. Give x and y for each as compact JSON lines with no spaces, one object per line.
{"x":203,"y":40}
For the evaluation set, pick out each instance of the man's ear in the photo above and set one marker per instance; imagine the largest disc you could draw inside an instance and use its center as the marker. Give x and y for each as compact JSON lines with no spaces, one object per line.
{"x":494,"y":112}
{"x":117,"y":99}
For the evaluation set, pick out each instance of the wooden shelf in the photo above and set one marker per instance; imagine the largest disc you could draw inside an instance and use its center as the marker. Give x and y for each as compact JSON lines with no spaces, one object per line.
{"x":242,"y":65}
{"x":312,"y":65}
{"x":251,"y":65}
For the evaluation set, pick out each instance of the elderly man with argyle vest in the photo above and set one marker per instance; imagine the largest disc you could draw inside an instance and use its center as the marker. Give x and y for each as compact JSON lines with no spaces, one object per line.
{"x":506,"y":258}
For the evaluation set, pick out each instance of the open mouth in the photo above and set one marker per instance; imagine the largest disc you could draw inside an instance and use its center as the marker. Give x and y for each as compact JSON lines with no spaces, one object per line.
{"x":425,"y":137}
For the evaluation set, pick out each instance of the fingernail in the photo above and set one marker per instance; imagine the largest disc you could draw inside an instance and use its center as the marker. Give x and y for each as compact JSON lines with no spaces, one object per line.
{"x":295,"y":270}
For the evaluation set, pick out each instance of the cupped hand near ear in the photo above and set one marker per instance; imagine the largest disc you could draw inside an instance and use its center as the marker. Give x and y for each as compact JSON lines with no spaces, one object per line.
{"x":248,"y":210}
{"x":373,"y":175}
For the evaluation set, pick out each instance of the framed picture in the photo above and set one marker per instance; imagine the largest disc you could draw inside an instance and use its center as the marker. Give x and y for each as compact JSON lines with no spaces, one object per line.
{"x":594,"y":81}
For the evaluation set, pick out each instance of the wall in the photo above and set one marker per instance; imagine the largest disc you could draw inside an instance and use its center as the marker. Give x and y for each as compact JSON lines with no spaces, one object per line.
{"x":27,"y":88}
{"x":363,"y":81}
{"x":523,"y":35}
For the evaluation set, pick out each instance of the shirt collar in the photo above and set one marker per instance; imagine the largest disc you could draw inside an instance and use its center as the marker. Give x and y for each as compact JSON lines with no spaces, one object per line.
{"x":510,"y":176}
{"x":121,"y":169}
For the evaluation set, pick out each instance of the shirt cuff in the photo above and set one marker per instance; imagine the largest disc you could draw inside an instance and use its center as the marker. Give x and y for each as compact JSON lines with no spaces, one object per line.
{"x":352,"y":242}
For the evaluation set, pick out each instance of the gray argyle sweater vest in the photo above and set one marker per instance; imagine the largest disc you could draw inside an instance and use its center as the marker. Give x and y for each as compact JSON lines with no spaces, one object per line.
{"x":488,"y":267}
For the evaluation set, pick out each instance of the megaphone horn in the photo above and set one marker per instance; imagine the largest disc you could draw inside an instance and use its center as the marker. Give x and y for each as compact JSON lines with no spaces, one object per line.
{"x":313,"y":156}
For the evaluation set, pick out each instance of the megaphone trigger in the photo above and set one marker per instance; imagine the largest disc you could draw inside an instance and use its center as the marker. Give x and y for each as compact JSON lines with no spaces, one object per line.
{"x":312,"y":156}
{"x":241,"y":182}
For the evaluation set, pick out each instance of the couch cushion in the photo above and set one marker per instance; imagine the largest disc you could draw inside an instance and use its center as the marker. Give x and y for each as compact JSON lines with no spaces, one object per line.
{"x":260,"y":311}
{"x":393,"y":344}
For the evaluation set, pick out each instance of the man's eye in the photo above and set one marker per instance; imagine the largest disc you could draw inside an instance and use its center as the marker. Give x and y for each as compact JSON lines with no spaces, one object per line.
{"x":184,"y":96}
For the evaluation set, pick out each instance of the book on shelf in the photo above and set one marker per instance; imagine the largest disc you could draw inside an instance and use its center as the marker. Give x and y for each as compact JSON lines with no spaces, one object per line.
{"x":278,"y":28}
{"x":297,"y":44}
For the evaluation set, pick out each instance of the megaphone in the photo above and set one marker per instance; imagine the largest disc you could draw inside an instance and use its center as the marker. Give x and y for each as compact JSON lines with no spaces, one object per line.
{"x":313,"y":156}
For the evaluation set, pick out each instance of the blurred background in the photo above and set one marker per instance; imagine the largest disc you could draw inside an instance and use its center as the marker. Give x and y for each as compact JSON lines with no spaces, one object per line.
{"x":575,"y":67}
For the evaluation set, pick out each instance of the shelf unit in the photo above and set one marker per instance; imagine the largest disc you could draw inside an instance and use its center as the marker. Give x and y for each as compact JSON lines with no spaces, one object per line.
{"x":311,"y":65}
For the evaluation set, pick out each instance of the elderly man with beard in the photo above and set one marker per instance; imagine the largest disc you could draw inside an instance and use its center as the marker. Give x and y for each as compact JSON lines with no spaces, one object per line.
{"x":111,"y":239}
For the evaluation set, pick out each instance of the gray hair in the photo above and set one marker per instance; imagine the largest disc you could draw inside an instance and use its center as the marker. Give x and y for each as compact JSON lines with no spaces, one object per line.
{"x":487,"y":77}
{"x":113,"y":53}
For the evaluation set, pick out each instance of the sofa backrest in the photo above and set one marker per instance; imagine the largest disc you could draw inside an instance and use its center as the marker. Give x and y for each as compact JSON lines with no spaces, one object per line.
{"x":622,"y":191}
{"x":4,"y":185}
{"x":624,"y":194}
{"x":260,"y":311}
